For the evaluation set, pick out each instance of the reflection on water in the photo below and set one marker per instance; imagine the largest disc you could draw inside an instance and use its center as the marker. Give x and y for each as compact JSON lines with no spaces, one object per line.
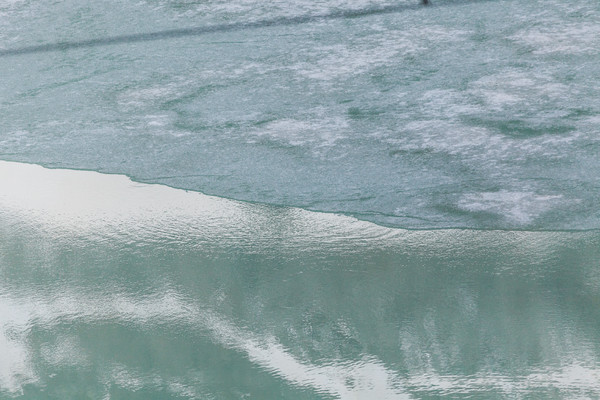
{"x":110,"y":289}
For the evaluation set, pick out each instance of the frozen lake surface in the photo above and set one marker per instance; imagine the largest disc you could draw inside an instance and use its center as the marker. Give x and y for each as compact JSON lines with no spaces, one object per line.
{"x":478,"y":114}
{"x":299,"y":199}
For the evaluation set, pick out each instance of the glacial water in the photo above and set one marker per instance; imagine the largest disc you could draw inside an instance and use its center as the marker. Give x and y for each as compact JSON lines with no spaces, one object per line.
{"x":113,"y":289}
{"x":360,"y":199}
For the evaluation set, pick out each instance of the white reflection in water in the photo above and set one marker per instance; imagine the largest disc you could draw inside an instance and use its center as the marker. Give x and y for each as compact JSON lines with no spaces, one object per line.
{"x":15,"y":368}
{"x":83,"y":202}
{"x":104,"y":209}
{"x":367,"y":378}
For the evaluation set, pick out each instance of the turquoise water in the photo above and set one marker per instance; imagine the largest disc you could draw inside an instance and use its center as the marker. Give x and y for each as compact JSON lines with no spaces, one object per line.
{"x":299,"y":199}
{"x":115,"y":289}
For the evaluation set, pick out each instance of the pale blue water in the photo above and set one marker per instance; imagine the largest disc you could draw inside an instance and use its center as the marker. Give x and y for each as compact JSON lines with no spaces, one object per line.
{"x":406,"y":199}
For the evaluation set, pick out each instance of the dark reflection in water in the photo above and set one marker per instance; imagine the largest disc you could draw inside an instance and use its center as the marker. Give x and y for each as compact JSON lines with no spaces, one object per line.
{"x":231,"y":27}
{"x":157,"y":299}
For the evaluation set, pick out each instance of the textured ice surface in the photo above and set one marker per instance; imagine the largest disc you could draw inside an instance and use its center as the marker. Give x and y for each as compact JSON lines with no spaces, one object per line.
{"x":403,"y":118}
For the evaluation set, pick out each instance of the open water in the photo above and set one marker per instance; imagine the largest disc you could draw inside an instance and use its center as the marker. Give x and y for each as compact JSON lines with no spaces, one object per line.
{"x":299,"y":199}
